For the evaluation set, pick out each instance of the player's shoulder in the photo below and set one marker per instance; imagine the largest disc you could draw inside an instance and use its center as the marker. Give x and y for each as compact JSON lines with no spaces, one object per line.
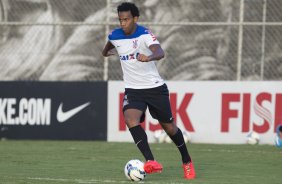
{"x":146,"y":31}
{"x":116,"y":34}
{"x":143,"y":30}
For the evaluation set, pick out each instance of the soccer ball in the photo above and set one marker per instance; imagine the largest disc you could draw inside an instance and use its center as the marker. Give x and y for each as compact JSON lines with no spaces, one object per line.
{"x":134,"y":170}
{"x":278,"y":142}
{"x":160,"y":136}
{"x":187,"y":136}
{"x":168,"y":139}
{"x":253,"y":138}
{"x":278,"y":138}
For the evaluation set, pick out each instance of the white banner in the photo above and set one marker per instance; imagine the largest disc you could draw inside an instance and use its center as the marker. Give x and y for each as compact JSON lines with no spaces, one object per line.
{"x":212,"y":112}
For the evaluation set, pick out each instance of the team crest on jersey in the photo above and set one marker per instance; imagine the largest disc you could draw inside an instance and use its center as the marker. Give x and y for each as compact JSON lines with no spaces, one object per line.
{"x":135,"y":45}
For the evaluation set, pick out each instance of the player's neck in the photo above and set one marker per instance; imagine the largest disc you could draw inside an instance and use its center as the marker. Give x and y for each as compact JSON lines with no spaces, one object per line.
{"x":133,"y":30}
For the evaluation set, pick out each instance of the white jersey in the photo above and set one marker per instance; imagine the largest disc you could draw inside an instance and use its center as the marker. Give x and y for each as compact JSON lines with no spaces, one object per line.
{"x":136,"y":74}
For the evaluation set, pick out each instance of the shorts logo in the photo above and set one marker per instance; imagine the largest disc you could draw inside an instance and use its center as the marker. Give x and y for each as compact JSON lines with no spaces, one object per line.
{"x":125,"y":101}
{"x":135,"y":45}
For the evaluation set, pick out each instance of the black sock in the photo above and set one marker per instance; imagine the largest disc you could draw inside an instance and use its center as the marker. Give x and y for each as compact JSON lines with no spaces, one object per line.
{"x":141,"y":141}
{"x":179,"y":142}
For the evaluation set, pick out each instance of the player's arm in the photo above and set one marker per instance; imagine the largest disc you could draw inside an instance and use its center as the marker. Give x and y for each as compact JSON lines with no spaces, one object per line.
{"x":107,"y":51}
{"x":157,"y":54}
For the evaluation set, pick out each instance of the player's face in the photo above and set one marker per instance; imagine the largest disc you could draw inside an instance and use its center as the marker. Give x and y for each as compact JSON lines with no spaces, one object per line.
{"x":127,"y":22}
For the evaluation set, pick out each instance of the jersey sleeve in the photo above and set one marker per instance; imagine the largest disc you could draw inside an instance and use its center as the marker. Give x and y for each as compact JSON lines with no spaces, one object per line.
{"x":150,"y":39}
{"x":110,"y":37}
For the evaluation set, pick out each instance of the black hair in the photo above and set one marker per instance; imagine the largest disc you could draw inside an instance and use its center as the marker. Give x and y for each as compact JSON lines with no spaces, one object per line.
{"x":126,"y":6}
{"x":280,"y":128}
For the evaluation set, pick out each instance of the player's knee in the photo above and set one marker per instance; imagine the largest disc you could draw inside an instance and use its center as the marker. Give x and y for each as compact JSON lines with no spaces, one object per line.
{"x":170,"y":128}
{"x":131,"y":122}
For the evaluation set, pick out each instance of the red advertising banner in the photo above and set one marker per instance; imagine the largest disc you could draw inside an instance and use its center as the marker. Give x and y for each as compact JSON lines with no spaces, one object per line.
{"x":212,"y":112}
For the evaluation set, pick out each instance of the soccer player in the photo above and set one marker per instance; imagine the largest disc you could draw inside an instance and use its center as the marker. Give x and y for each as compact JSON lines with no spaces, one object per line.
{"x":138,"y":50}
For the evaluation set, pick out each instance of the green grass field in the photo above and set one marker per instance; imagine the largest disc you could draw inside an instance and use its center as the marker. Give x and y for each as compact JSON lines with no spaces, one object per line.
{"x":86,"y":162}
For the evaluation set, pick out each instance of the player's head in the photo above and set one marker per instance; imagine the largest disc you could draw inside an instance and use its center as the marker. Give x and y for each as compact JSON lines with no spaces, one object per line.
{"x":128,"y":15}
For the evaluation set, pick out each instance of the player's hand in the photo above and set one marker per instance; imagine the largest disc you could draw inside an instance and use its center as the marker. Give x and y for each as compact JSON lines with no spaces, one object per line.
{"x":143,"y":58}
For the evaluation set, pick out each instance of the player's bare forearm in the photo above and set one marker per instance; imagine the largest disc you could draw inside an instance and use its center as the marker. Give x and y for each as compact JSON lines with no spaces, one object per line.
{"x":157,"y":54}
{"x":107,"y":49}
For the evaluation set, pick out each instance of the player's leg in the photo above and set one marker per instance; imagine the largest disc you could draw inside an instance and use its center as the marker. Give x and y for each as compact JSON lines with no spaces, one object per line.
{"x":160,"y":109}
{"x":134,"y":107}
{"x":134,"y":112}
{"x":177,"y":137}
{"x":132,"y":120}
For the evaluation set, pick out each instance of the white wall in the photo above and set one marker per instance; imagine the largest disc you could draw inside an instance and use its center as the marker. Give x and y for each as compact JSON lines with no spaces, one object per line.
{"x":213,"y":112}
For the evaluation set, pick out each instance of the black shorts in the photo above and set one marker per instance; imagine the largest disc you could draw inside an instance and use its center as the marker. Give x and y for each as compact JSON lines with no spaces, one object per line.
{"x":156,"y":99}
